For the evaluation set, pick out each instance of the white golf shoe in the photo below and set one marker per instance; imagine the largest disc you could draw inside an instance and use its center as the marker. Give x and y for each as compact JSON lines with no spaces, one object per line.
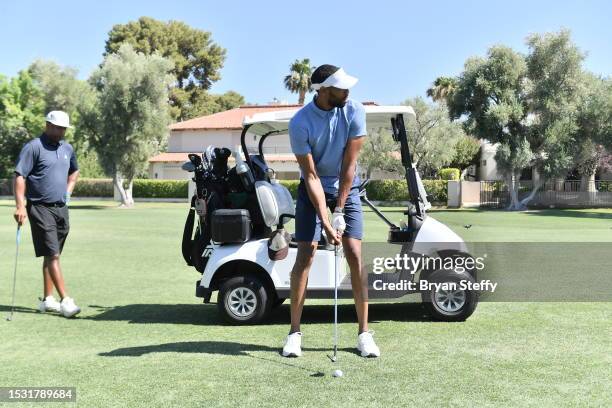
{"x":49,"y":304}
{"x":293,"y":345}
{"x":366,"y":345}
{"x":69,"y":308}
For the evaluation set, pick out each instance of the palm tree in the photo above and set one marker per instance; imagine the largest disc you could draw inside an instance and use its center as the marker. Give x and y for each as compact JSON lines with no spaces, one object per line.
{"x":442,"y":89}
{"x":298,"y":80}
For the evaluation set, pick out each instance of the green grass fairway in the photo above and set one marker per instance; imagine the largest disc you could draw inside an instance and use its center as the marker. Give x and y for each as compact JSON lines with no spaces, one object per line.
{"x":144,"y":340}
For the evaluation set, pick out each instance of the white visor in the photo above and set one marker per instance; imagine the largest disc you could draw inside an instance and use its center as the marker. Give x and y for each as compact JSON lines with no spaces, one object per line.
{"x":338,"y":79}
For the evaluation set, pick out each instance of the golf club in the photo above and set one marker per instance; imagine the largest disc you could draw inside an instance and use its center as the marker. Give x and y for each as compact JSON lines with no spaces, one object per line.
{"x":334,"y":357}
{"x":17,"y":239}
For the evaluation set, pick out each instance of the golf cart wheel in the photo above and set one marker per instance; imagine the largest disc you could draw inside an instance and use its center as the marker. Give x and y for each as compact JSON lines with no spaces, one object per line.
{"x":454,"y":305}
{"x":244,"y":299}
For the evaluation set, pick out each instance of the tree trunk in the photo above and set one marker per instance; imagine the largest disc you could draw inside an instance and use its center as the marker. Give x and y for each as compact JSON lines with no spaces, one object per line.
{"x":536,"y":186}
{"x":587,"y":182}
{"x":126,"y":194}
{"x":302,"y":96}
{"x":513,"y":189}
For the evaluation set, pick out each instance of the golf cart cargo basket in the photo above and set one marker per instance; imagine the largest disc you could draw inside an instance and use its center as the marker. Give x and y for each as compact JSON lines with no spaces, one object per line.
{"x":231,"y":226}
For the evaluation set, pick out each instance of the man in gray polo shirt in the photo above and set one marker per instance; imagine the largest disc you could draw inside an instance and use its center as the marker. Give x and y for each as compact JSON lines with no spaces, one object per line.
{"x":45,"y":174}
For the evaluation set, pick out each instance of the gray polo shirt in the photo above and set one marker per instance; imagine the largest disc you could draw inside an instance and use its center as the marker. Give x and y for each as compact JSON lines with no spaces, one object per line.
{"x":45,"y":166}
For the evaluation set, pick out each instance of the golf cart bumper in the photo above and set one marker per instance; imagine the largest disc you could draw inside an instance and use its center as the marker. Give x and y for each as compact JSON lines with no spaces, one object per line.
{"x":203,"y":292}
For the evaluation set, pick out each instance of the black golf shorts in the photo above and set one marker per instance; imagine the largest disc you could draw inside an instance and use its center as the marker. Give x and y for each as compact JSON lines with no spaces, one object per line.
{"x":50,"y":226}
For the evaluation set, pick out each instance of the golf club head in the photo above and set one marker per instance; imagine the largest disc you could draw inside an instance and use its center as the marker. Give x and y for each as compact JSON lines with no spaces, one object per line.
{"x":188,"y":166}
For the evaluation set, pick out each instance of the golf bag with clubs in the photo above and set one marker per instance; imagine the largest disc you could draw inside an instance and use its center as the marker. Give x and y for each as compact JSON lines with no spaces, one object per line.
{"x":217,"y":187}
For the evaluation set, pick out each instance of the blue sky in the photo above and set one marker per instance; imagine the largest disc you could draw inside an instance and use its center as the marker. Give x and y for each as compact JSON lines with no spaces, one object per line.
{"x":396,"y":48}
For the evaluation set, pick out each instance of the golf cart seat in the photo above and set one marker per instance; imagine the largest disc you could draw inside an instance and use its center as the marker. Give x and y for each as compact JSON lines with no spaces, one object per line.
{"x":275,"y":203}
{"x":277,"y":208}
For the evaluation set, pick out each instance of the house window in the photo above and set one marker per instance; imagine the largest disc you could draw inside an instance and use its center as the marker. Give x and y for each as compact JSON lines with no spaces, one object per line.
{"x":484,"y":163}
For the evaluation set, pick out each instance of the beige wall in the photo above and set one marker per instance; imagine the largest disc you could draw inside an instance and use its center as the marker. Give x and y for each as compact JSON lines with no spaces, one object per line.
{"x":186,"y":141}
{"x":487,"y":169}
{"x":167,"y":171}
{"x":173,"y":171}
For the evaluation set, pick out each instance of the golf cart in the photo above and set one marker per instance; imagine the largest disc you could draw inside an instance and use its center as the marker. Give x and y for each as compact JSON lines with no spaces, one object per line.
{"x":239,"y":209}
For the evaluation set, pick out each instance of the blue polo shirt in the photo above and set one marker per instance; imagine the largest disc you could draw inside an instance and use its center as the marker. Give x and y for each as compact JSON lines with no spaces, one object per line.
{"x":45,"y":166}
{"x":324,"y":134}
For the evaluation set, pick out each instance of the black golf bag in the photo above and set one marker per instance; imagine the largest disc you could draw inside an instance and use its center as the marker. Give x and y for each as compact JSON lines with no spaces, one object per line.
{"x":217,"y":187}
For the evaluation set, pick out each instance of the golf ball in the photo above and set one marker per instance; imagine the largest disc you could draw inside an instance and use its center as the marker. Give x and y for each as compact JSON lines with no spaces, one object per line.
{"x":338,"y":373}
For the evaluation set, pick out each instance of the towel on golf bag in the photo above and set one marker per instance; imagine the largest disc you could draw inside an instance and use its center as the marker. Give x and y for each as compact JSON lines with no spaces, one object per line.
{"x":278,"y":245}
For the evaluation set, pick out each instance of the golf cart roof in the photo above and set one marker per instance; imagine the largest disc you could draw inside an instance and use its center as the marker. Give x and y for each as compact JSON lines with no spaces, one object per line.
{"x":278,"y":122}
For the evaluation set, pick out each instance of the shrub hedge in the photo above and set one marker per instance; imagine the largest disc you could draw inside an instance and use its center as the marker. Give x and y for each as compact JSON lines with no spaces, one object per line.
{"x":160,"y":188}
{"x":378,"y":190}
{"x":449,"y":173}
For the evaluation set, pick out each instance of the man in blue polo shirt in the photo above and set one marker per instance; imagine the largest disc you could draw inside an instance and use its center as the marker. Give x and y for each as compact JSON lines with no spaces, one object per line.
{"x":46,"y":173}
{"x":326,"y":136}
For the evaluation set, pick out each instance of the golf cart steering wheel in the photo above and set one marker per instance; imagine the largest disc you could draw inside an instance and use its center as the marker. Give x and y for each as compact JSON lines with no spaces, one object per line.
{"x":362,"y":186}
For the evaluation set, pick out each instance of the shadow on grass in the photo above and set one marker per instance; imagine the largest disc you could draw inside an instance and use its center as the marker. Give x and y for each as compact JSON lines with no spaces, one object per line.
{"x":91,"y":207}
{"x":226,"y":348}
{"x":207,"y":314}
{"x":18,"y":309}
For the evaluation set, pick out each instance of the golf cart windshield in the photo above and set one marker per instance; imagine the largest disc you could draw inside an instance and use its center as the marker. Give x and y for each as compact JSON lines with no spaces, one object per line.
{"x":377,"y":118}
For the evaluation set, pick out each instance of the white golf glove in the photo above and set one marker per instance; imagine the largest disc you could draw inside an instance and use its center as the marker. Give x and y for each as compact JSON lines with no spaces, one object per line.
{"x":338,"y":223}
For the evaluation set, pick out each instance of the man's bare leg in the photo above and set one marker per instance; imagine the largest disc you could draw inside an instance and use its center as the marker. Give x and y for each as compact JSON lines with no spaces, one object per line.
{"x":299,"y":279}
{"x":54,"y":271}
{"x":352,"y":251}
{"x":48,"y":283}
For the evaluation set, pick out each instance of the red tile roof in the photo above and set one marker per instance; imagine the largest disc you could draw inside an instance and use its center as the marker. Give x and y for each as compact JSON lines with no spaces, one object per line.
{"x":182,"y":157}
{"x":232,"y":119}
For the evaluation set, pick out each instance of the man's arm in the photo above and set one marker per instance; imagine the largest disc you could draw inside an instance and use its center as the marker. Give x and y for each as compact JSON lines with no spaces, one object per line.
{"x":72,"y":179}
{"x":349,"y":166}
{"x":316,"y":194}
{"x":19,"y":187}
{"x":25,"y":164}
{"x":73,"y":176}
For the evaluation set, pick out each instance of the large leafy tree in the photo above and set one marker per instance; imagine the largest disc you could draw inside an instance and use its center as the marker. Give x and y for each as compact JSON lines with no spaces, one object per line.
{"x":298,"y":79}
{"x":526,"y":104}
{"x":127,"y":122}
{"x":433,"y":142}
{"x":197,"y":61}
{"x":63,"y":90}
{"x":22,"y":109}
{"x":491,"y":95}
{"x":554,"y":67}
{"x":379,"y":152}
{"x":433,"y":136}
{"x":594,"y":129}
{"x":199,"y":102}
